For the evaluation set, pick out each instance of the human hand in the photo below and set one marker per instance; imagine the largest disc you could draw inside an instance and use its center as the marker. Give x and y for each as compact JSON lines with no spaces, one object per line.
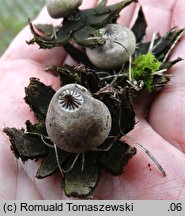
{"x":160,"y":128}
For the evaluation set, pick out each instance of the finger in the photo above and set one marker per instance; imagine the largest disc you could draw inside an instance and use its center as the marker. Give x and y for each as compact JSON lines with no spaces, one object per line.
{"x":158,"y":15}
{"x":18,"y":49}
{"x":17,"y":179}
{"x":15,"y":77}
{"x":167,"y":114}
{"x":126,"y":15}
{"x":178,"y":15}
{"x":8,"y":173}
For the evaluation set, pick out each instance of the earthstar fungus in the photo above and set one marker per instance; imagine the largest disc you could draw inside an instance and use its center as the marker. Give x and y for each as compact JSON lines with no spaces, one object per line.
{"x":62,"y":8}
{"x":120,"y":44}
{"x":85,"y":119}
{"x":75,"y":121}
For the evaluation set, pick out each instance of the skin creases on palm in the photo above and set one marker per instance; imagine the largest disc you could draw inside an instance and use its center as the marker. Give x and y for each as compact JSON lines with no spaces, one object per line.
{"x":162,"y":132}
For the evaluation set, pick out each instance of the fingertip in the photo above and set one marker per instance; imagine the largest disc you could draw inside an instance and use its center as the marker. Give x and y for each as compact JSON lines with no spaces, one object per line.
{"x":128,"y":15}
{"x":43,"y":17}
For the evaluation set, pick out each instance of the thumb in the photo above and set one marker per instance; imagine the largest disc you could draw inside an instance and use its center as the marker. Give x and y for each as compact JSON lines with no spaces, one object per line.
{"x":18,"y":49}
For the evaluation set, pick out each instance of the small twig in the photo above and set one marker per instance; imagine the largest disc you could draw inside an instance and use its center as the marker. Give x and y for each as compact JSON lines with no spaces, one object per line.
{"x":130,"y":69}
{"x":144,"y":149}
{"x":109,"y":147}
{"x":160,"y":72}
{"x":83,"y":161}
{"x":111,"y":76}
{"x":47,"y":144}
{"x":121,"y":46}
{"x":148,"y":153}
{"x":58,"y":161}
{"x":102,"y":150}
{"x":62,"y":171}
{"x":93,"y":38}
{"x":42,"y":138}
{"x":54,"y":35}
{"x":72,"y":165}
{"x":154,"y":36}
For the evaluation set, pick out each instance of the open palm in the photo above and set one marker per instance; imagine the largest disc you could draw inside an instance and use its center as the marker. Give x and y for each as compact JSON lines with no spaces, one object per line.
{"x":161,"y":127}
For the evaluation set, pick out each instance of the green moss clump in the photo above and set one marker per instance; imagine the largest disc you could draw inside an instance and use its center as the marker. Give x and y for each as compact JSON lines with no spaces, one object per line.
{"x":143,"y":68}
